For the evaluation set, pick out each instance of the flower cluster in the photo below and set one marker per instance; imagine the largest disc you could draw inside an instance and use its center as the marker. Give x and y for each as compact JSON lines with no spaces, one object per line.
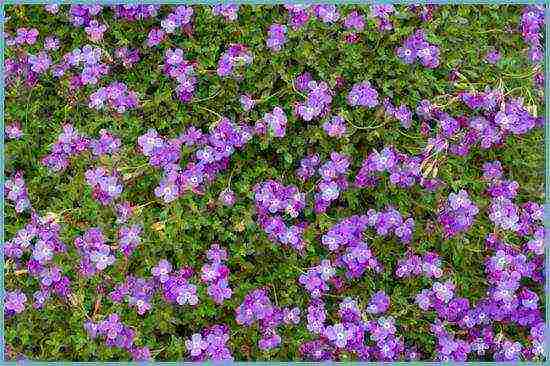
{"x":402,"y":113}
{"x":137,"y":292}
{"x":363,"y":94}
{"x":95,"y":30}
{"x":210,"y":344}
{"x":308,"y":167}
{"x":155,"y":37}
{"x":95,"y":254}
{"x":236,"y":55}
{"x":299,"y":14}
{"x":41,"y":238}
{"x":495,"y":124}
{"x":162,"y":153}
{"x":354,"y":22}
{"x":247,"y":102}
{"x":89,"y":58}
{"x":116,"y":96}
{"x":413,"y":265}
{"x":256,"y":307}
{"x":105,"y":187}
{"x":315,"y":280}
{"x":333,"y":174}
{"x":458,"y":215}
{"x":127,"y":56}
{"x":346,"y":237}
{"x":132,"y":13}
{"x":14,"y":303}
{"x":25,"y":36}
{"x":44,"y":232}
{"x":335,"y":127}
{"x":504,"y":323}
{"x":69,"y":143}
{"x":424,"y":12}
{"x":82,"y":15}
{"x":318,"y":98}
{"x":276,"y":121}
{"x":382,"y":12}
{"x":13,"y":131}
{"x":124,"y":210}
{"x":116,"y":334}
{"x":211,"y":158}
{"x":416,"y":47}
{"x":272,"y":198}
{"x":532,"y":21}
{"x":228,"y":11}
{"x":328,"y":13}
{"x":379,"y":303}
{"x":216,"y":275}
{"x":351,"y":333}
{"x":106,"y":144}
{"x":129,"y":238}
{"x":276,"y":37}
{"x":175,"y":285}
{"x":181,"y":70}
{"x":179,"y":18}
{"x":16,"y":191}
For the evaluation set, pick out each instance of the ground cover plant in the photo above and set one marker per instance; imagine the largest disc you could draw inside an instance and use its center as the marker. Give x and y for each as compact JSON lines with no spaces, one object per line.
{"x":274,"y":182}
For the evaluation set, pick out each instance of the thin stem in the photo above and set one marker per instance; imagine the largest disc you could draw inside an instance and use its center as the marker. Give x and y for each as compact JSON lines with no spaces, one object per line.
{"x":261,"y":100}
{"x":211,"y":111}
{"x":145,"y":205}
{"x":132,"y":167}
{"x":207,"y":98}
{"x":275,"y":293}
{"x":368,"y":127}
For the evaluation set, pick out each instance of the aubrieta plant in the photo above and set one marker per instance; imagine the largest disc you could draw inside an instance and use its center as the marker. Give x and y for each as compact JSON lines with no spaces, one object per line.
{"x":292,"y":182}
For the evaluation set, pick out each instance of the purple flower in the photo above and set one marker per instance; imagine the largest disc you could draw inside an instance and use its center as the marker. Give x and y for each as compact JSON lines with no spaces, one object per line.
{"x":95,"y":30}
{"x":416,"y":47}
{"x":52,"y":8}
{"x":493,"y":57}
{"x":236,"y":54}
{"x":379,"y":303}
{"x":27,"y":36}
{"x":155,"y":37}
{"x":338,"y":334}
{"x":492,"y":170}
{"x":459,"y":215}
{"x":327,"y":13}
{"x":196,"y":345}
{"x":13,"y":131}
{"x":228,"y":11}
{"x":276,"y":120}
{"x":40,"y":63}
{"x":16,"y":191}
{"x":247,"y":102}
{"x":102,"y":257}
{"x":117,"y":96}
{"x":227,"y":197}
{"x":105,"y":188}
{"x":162,"y":270}
{"x":276,"y":37}
{"x":335,"y":127}
{"x":107,"y":144}
{"x":51,"y":43}
{"x":355,"y":21}
{"x":14,"y":302}
{"x":291,"y":316}
{"x":443,"y":291}
{"x":363,"y":94}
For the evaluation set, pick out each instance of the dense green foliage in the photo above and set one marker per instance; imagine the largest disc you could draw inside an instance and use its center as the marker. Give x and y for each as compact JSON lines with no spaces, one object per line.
{"x":183,"y":230}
